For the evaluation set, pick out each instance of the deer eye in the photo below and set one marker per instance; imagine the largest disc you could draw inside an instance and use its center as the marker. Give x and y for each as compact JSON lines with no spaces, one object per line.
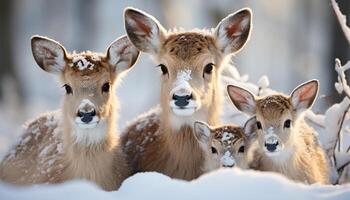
{"x":241,"y":149}
{"x":213,"y":150}
{"x":208,"y":68}
{"x":258,"y":125}
{"x":105,"y":87}
{"x":164,"y":69}
{"x":68,"y":89}
{"x":287,"y":123}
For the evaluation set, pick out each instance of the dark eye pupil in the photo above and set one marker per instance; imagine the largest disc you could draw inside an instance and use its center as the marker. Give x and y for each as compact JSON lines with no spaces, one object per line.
{"x":105,"y":87}
{"x":241,"y":149}
{"x":213,"y":150}
{"x":208,"y":68}
{"x":287,"y":123}
{"x":258,"y":125}
{"x":164,"y":69}
{"x":68,"y":89}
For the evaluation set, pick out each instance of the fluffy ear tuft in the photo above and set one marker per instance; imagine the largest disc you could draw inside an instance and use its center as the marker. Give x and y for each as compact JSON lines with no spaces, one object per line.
{"x":304,"y":95}
{"x":122,"y":54}
{"x":202,"y":131}
{"x":49,"y":54}
{"x":233,"y":31}
{"x":250,"y":127}
{"x":242,"y":99}
{"x":144,"y":31}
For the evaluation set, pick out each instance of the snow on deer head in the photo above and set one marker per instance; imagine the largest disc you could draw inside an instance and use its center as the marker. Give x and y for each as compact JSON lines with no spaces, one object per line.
{"x":89,"y":80}
{"x":190,"y":61}
{"x":277,"y":115}
{"x":224,"y":146}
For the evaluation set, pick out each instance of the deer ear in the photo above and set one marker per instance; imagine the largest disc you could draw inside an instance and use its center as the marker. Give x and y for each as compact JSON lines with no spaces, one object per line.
{"x":304,"y":95}
{"x":202,"y":131}
{"x":122,"y":54}
{"x":242,"y":99}
{"x":144,"y":31}
{"x":233,"y":31}
{"x":49,"y":54}
{"x":250,"y":127}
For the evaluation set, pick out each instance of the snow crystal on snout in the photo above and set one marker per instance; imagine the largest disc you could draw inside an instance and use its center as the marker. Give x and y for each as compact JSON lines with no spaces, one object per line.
{"x":182,"y":79}
{"x":85,"y":102}
{"x":227,"y":159}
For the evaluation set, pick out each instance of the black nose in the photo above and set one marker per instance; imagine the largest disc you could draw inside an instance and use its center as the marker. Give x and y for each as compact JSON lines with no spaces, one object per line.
{"x":182,"y":101}
{"x":271,"y":147}
{"x":86,"y":117}
{"x":228,"y":165}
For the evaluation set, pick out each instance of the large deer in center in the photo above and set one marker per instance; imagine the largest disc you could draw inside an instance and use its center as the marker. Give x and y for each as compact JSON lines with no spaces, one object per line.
{"x":163,"y":139}
{"x":80,"y":140}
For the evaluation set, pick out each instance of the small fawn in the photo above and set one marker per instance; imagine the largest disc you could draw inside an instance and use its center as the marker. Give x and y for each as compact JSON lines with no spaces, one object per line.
{"x":79,"y":141}
{"x":224,"y":146}
{"x":163,"y":140}
{"x":286,"y":144}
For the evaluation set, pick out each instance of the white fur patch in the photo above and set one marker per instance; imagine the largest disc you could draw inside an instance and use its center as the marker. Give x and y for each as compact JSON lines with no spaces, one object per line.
{"x":90,"y":135}
{"x":187,"y":111}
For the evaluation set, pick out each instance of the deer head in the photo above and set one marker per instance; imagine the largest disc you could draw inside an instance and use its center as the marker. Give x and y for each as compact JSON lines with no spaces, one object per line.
{"x":277,"y":115}
{"x":224,"y":146}
{"x":89,"y":80}
{"x":190,"y":61}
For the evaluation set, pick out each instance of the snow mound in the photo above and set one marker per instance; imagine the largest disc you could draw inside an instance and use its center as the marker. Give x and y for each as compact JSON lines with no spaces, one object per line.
{"x":220,"y":184}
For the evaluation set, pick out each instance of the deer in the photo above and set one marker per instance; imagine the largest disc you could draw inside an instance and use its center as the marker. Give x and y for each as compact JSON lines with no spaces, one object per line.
{"x":285,"y":144}
{"x":162,"y":139}
{"x":225,"y":146}
{"x":78,"y":141}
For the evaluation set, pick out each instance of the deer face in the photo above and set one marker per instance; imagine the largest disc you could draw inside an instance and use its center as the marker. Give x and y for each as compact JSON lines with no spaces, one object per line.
{"x":276,"y":115}
{"x":225,"y":146}
{"x":190,"y":61}
{"x":88,"y":78}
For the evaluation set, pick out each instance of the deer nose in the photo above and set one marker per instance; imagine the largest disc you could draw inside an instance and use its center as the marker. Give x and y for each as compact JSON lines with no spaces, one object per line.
{"x":183,"y":100}
{"x":86,"y":117}
{"x":230,"y":165}
{"x":271,"y":147}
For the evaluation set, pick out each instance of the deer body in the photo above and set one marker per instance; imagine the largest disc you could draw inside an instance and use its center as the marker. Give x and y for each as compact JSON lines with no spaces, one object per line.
{"x":79,"y":141}
{"x":283,"y":142}
{"x":190,"y":63}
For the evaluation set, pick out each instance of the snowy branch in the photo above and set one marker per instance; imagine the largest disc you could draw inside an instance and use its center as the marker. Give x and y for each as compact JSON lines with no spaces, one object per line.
{"x":341,"y":19}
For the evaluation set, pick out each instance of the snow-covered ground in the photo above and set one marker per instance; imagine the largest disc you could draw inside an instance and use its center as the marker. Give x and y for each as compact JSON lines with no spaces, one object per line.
{"x":221,"y":184}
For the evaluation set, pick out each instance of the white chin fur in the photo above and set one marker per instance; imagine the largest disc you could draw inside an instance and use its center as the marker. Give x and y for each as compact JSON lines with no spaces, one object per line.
{"x":183,"y":111}
{"x":89,"y":134}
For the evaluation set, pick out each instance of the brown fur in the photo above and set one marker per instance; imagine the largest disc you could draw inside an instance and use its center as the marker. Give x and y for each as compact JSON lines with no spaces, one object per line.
{"x":52,"y":149}
{"x":307,"y":164}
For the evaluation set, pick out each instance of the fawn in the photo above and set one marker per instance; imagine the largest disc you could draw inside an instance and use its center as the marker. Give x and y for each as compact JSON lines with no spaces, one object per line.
{"x":162,"y":139}
{"x":286,"y":144}
{"x":78,"y":141}
{"x":224,"y":146}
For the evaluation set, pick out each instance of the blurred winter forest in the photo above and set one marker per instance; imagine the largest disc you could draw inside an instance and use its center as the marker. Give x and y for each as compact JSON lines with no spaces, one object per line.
{"x":292,"y":41}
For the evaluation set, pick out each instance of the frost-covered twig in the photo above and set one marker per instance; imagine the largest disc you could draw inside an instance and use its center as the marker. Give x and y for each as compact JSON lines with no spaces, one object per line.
{"x":342,"y":87}
{"x":342,"y":84}
{"x":341,"y":19}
